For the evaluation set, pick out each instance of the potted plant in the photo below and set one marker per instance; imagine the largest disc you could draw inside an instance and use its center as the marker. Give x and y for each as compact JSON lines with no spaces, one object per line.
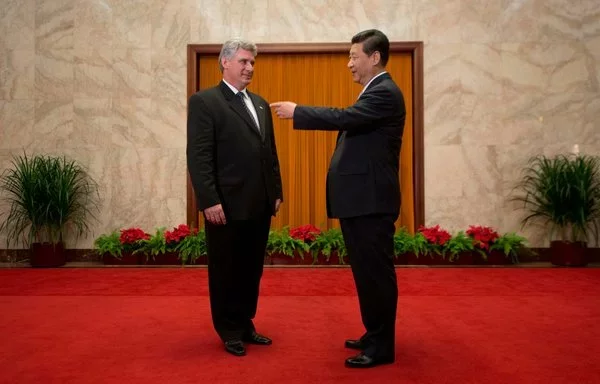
{"x":48,"y":198}
{"x":563,"y":192}
{"x":191,"y":248}
{"x":505,"y":250}
{"x":110,"y":249}
{"x":404,"y":245}
{"x":328,"y":244}
{"x":282,"y":248}
{"x":460,"y":248}
{"x":430,"y":241}
{"x":483,"y":238}
{"x":307,"y":234}
{"x":152,"y":249}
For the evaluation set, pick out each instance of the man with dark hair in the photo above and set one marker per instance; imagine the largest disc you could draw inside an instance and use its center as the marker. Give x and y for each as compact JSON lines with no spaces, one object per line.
{"x":363,"y":188}
{"x":233,"y":165}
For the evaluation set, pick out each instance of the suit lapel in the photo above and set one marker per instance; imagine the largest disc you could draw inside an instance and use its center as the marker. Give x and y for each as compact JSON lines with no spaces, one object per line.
{"x":237,"y":107}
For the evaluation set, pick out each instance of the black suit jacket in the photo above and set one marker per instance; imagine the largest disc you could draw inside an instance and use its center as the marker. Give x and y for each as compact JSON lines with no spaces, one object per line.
{"x":229,"y":161}
{"x":363,"y":173}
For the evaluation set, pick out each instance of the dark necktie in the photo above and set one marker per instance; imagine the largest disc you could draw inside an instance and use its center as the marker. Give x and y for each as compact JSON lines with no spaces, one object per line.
{"x":242,"y":97}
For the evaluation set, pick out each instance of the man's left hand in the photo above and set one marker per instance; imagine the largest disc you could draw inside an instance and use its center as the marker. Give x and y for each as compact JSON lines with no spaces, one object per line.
{"x":277,"y":204}
{"x":284,"y":109}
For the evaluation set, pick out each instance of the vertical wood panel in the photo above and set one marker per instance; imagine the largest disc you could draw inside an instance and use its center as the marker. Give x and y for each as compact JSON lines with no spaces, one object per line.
{"x":316,"y":79}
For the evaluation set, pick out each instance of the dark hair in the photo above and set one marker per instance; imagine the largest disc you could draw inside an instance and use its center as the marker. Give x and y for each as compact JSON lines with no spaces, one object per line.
{"x":374,"y":40}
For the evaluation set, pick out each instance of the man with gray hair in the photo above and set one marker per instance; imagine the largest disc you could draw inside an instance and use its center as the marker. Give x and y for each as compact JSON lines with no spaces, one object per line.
{"x":233,"y":164}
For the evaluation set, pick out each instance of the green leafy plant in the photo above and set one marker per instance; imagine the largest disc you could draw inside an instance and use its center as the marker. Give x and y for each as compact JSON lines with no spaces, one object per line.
{"x":109,"y":244}
{"x":404,"y":242}
{"x":48,"y":197}
{"x":564,"y":193}
{"x":510,"y":244}
{"x":457,"y":244}
{"x":154,"y":245}
{"x":283,"y":243}
{"x":327,"y":242}
{"x":192,"y":247}
{"x":431,"y":240}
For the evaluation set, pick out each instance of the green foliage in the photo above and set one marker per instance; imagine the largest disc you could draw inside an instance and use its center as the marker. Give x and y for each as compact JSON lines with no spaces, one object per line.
{"x":422,"y":247}
{"x":109,"y":244}
{"x":327,"y":242}
{"x":281,"y":242}
{"x":192,"y":247}
{"x":510,"y":244}
{"x":154,"y":246}
{"x":564,"y":193}
{"x":458,"y":243}
{"x":47,"y":198}
{"x":403,"y":242}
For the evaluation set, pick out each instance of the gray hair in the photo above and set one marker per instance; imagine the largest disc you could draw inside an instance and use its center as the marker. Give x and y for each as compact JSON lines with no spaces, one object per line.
{"x":230,"y":47}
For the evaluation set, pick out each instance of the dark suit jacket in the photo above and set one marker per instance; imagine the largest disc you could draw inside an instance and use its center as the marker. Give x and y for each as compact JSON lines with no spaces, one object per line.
{"x":363,"y":173}
{"x":229,"y":161}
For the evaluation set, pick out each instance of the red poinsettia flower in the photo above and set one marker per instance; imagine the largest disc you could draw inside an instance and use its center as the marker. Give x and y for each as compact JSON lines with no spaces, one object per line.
{"x":177,"y":234}
{"x":483,"y":237}
{"x":306,"y":233}
{"x":435,"y":235}
{"x":132,"y":235}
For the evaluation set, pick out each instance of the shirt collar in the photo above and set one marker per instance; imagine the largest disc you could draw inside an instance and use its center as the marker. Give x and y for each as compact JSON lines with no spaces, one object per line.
{"x":370,"y":81}
{"x":235,"y":90}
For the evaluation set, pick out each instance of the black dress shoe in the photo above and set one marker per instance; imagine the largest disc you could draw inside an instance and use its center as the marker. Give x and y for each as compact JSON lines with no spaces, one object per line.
{"x":255,"y":338}
{"x":365,"y":361}
{"x":355,"y":344}
{"x":235,"y":347}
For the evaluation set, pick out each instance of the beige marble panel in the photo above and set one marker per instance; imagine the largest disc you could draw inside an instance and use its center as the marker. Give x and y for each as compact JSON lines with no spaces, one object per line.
{"x":131,"y":122}
{"x":17,"y":24}
{"x":132,"y":73}
{"x":54,"y":77}
{"x":438,"y":21}
{"x":483,"y":119}
{"x":169,"y":126}
{"x":546,"y":67}
{"x":16,"y":122}
{"x":169,"y":75}
{"x":171,"y":22}
{"x":131,"y":24}
{"x":93,"y":77}
{"x":17,"y":69}
{"x":458,"y":213}
{"x":92,"y":124}
{"x":481,"y":69}
{"x":592,"y":55}
{"x":93,"y":26}
{"x":53,"y":125}
{"x":144,"y":187}
{"x":54,"y":22}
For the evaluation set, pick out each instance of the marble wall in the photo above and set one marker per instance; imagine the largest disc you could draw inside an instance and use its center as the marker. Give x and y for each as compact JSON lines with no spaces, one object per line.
{"x":104,"y":81}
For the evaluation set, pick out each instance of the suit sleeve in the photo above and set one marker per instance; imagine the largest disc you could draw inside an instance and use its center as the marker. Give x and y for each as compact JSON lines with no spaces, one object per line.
{"x":378,"y":103}
{"x":276,"y":169}
{"x":200,"y":153}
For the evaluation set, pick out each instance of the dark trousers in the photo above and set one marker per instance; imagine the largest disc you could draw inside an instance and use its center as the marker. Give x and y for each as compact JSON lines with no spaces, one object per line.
{"x":236,"y":254}
{"x":370,"y":245}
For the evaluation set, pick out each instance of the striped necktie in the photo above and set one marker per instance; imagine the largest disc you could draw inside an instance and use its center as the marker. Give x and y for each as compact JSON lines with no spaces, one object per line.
{"x":242,"y":98}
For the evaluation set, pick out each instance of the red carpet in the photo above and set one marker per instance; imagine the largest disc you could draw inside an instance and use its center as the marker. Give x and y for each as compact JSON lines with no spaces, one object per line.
{"x":469,"y":325}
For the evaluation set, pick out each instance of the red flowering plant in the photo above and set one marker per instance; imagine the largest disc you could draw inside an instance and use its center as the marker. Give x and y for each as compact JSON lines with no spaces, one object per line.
{"x":174,"y":236}
{"x":431,"y":240}
{"x":307,"y":233}
{"x":132,"y":239}
{"x":483,"y":238}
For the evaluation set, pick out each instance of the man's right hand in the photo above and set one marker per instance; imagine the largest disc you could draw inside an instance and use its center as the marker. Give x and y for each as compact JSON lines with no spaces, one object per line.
{"x":215,"y":215}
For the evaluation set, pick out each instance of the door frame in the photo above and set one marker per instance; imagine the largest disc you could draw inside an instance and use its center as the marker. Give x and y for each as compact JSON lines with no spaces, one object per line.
{"x":414,"y":48}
